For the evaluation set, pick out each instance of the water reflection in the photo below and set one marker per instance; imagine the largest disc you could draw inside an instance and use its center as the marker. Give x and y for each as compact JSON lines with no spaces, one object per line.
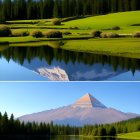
{"x":57,"y":64}
{"x":57,"y":138}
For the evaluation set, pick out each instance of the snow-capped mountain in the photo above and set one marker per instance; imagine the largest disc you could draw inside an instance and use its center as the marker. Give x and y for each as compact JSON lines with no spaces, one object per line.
{"x":60,"y":71}
{"x":86,"y":110}
{"x":55,"y":74}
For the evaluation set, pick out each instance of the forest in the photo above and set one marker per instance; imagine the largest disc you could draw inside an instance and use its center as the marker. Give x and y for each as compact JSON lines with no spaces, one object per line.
{"x":42,"y":9}
{"x":11,"y":126}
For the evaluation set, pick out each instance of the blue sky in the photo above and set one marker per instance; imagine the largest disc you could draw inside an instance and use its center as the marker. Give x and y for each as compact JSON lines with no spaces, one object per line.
{"x":17,"y":72}
{"x":27,"y":97}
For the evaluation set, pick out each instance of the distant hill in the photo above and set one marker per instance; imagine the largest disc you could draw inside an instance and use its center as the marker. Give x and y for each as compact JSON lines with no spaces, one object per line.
{"x":86,"y":110}
{"x":122,"y":19}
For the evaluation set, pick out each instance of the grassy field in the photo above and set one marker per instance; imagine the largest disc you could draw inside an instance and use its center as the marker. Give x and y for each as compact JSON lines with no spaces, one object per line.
{"x":125,"y":47}
{"x":79,"y":39}
{"x":85,"y":25}
{"x":18,"y":39}
{"x":134,"y":135}
{"x":125,"y":20}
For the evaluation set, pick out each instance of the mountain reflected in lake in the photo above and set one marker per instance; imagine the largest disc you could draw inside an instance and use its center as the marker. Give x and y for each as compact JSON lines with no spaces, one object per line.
{"x":62,"y":65}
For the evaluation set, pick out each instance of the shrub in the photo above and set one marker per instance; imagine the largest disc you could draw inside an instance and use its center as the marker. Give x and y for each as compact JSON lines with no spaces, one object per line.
{"x":67,"y":33}
{"x":76,"y":28}
{"x":25,"y":33}
{"x":103,"y":35}
{"x":36,"y":33}
{"x":4,"y":31}
{"x":116,"y":28}
{"x":137,"y":34}
{"x":20,"y":33}
{"x":56,"y":21}
{"x":96,"y":33}
{"x":53,"y":34}
{"x":16,"y":34}
{"x":112,"y":35}
{"x":35,"y":22}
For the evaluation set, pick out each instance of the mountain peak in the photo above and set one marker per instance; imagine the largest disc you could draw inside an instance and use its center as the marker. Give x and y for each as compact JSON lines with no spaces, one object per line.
{"x":88,"y":101}
{"x":86,"y":110}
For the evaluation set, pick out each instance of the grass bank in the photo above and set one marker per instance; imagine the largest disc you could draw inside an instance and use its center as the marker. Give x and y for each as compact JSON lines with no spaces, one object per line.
{"x":17,"y":39}
{"x":133,"y":135}
{"x":124,"y":47}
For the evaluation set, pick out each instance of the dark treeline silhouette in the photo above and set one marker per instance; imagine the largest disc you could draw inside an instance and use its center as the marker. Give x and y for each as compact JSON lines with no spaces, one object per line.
{"x":22,"y":54}
{"x":11,"y":126}
{"x":40,"y":9}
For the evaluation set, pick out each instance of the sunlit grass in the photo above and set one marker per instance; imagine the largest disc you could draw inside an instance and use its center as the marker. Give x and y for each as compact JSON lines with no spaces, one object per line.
{"x":122,"y":19}
{"x":133,"y":135}
{"x":86,"y":25}
{"x":127,"y":47}
{"x":18,"y":39}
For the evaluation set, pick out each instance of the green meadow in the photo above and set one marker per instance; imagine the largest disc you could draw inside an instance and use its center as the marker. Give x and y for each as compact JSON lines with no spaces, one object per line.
{"x":125,"y":20}
{"x":129,"y":22}
{"x":125,"y":47}
{"x":80,"y":38}
{"x":133,"y":135}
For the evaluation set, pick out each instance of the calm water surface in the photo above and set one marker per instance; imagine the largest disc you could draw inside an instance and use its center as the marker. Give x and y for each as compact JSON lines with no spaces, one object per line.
{"x":80,"y":138}
{"x":45,"y":63}
{"x":59,"y":138}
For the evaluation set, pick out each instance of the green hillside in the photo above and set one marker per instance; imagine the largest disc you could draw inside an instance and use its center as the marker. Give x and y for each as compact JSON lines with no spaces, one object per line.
{"x":133,"y":135}
{"x":123,"y":19}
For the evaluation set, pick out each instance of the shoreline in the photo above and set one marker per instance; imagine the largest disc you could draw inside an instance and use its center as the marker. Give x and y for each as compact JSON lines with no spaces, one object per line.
{"x":123,"y":47}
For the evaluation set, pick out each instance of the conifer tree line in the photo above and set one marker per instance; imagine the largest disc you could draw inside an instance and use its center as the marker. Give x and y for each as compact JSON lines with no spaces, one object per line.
{"x":11,"y":126}
{"x":24,"y":54}
{"x":41,"y":9}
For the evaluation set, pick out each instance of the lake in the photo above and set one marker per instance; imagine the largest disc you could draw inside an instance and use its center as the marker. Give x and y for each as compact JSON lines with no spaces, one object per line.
{"x":46,"y":63}
{"x":58,"y":138}
{"x":79,"y":138}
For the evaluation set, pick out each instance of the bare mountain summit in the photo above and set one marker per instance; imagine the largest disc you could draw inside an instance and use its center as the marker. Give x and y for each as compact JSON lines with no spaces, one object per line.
{"x":86,"y":110}
{"x":88,"y":101}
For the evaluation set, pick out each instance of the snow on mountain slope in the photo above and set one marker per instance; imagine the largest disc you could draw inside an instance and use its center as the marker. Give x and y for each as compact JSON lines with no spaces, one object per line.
{"x":54,"y":74}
